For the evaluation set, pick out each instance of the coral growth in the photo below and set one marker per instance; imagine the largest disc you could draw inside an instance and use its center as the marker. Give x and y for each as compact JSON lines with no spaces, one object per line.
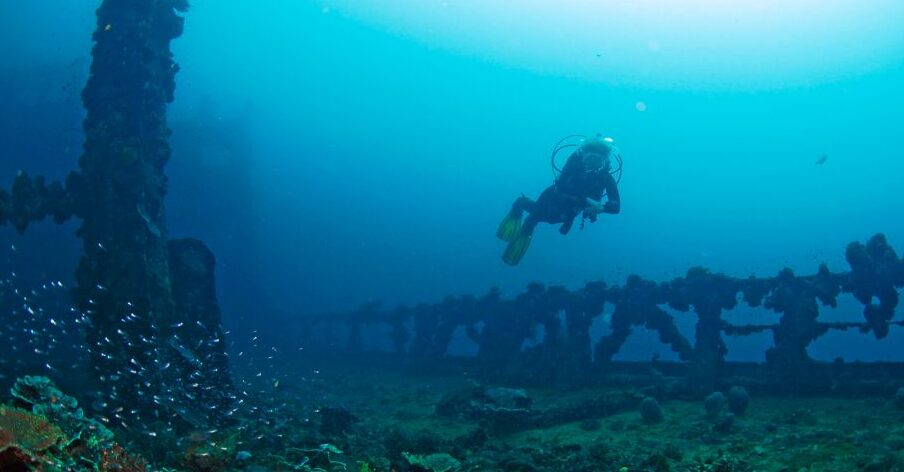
{"x":46,"y":426}
{"x":432,"y":463}
{"x":27,"y":440}
{"x":116,"y":459}
{"x":650,"y":411}
{"x":85,"y":436}
{"x":13,"y":458}
{"x":738,"y":399}
{"x":714,"y":404}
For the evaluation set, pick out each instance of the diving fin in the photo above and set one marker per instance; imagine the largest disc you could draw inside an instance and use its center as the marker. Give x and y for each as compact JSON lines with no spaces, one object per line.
{"x":517,"y":247}
{"x":510,"y":226}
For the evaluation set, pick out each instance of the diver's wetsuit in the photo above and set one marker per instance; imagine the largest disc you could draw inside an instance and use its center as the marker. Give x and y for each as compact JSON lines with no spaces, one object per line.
{"x":563,"y":201}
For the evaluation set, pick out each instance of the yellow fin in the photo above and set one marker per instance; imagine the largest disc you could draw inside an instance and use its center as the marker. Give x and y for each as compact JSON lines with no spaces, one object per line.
{"x":509,"y":227}
{"x":516,"y":248}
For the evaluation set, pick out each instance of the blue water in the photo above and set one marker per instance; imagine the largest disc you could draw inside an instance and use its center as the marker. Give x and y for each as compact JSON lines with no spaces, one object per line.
{"x":387,"y":140}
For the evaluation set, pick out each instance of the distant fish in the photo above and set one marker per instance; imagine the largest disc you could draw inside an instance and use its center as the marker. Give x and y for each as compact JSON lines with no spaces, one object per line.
{"x":822,"y":159}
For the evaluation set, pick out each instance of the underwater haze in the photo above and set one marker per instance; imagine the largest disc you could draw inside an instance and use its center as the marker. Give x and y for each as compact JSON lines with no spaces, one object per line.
{"x":334,"y":278}
{"x":388,"y":138}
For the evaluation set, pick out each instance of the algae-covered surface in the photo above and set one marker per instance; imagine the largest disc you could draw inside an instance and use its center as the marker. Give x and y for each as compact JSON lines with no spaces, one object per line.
{"x":396,"y":413}
{"x":372,"y":418}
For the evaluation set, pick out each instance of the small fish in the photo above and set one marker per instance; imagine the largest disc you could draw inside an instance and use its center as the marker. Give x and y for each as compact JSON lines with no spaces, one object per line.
{"x":822,"y":159}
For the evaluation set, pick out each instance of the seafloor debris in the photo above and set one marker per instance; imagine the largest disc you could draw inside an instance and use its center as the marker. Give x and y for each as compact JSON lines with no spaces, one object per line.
{"x":499,"y":408}
{"x":440,"y":462}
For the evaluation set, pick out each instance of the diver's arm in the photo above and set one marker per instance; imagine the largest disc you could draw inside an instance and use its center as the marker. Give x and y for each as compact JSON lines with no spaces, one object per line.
{"x":613,"y":203}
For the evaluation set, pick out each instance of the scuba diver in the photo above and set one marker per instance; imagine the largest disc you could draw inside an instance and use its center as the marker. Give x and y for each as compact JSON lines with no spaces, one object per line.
{"x":578,"y":189}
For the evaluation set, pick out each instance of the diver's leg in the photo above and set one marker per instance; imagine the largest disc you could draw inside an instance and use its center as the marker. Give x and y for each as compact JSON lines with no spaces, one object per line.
{"x":553,"y":207}
{"x":519,"y":244}
{"x":510,"y":226}
{"x":523,"y":204}
{"x":529,"y":224}
{"x":566,"y":226}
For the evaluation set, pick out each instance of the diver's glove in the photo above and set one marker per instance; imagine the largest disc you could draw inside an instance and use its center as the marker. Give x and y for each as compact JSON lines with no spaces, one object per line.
{"x":592,"y":209}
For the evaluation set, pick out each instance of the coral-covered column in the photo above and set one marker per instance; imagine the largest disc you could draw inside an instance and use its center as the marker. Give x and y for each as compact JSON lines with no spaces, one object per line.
{"x":876,"y":271}
{"x":797,"y":328}
{"x":709,"y":294}
{"x":123,"y":277}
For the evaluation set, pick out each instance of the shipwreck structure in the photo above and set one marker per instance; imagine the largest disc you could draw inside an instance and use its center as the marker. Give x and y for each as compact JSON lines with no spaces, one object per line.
{"x":500,"y":327}
{"x":154,"y":331}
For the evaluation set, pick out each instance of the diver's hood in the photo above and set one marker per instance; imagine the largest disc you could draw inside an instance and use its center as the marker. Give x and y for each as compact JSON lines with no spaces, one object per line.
{"x":597,"y":152}
{"x":597,"y":145}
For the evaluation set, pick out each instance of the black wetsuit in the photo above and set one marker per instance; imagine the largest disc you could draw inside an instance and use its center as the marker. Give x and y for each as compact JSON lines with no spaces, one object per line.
{"x":563,"y":201}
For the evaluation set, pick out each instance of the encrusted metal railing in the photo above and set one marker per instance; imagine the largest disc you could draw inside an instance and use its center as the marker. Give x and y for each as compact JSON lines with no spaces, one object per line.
{"x":500,"y":326}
